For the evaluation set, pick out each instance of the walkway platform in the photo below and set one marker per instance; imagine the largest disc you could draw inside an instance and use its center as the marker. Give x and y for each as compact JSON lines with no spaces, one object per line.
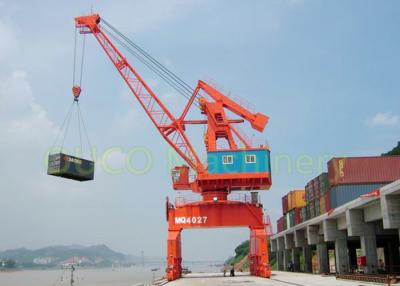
{"x":279,"y":278}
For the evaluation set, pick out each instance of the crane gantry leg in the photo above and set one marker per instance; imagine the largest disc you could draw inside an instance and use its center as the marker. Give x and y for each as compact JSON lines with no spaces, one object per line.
{"x":214,"y":214}
{"x":258,"y":253}
{"x":174,"y":259}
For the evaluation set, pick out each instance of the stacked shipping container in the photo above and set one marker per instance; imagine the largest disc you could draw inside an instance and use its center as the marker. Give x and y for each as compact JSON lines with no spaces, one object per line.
{"x":355,"y":176}
{"x":292,"y":207}
{"x":317,"y":190}
{"x":347,"y":179}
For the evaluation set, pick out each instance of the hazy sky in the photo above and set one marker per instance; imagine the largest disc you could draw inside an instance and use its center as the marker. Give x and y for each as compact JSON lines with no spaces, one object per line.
{"x":326,"y":72}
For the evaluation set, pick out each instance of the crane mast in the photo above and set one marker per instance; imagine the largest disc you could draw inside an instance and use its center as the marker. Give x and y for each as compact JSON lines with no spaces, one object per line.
{"x":242,"y":166}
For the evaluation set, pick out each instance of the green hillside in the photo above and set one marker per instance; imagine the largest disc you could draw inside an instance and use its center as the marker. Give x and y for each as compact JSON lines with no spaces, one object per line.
{"x":394,"y":151}
{"x":241,"y":257}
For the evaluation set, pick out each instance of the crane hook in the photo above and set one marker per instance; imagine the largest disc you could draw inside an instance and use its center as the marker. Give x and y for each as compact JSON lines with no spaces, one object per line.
{"x":76,"y":91}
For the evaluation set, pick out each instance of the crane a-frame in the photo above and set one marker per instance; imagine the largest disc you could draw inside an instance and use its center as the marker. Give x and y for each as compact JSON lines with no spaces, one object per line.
{"x":238,"y":167}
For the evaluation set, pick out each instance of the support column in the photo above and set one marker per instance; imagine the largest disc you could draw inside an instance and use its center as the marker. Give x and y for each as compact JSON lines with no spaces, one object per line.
{"x":307,"y":257}
{"x":279,"y":258}
{"x":281,"y":253}
{"x":356,"y":226}
{"x":296,"y":259}
{"x":286,"y":259}
{"x":174,"y":255}
{"x":300,"y":242}
{"x":258,"y":254}
{"x":368,"y":247}
{"x":312,"y":234}
{"x":341,"y":255}
{"x":322,"y":253}
{"x":390,"y":206}
{"x":331,"y":233}
{"x":289,"y":245}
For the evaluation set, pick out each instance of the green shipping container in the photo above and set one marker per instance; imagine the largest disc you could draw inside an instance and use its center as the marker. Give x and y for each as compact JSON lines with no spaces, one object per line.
{"x":311,"y":210}
{"x":284,"y":222}
{"x":323,"y":183}
{"x":317,"y":207}
{"x":303,"y":214}
{"x":70,"y":167}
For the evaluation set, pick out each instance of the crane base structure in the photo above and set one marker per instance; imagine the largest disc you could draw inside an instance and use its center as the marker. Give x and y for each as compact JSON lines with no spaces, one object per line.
{"x":215,"y":214}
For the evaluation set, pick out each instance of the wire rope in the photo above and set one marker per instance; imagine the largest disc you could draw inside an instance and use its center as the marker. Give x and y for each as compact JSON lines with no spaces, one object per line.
{"x":82,"y":59}
{"x":62,"y":126}
{"x":86,"y":133}
{"x":148,"y":56}
{"x":172,"y":79}
{"x":152,"y":68}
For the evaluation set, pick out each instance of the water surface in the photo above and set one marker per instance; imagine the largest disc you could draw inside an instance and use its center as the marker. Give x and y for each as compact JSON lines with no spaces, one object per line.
{"x":83,"y":277}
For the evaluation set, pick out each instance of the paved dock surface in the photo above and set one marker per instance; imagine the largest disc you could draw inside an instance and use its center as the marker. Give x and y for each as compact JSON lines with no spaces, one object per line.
{"x":278,"y":278}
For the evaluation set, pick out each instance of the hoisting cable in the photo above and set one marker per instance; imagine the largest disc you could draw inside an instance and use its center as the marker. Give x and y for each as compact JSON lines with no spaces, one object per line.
{"x":74,"y":65}
{"x":66,"y":128}
{"x":148,"y":56}
{"x":145,"y":62}
{"x":151,"y":67}
{"x":83,"y":59}
{"x":62,"y":127}
{"x":75,"y":104}
{"x":85,"y":131}
{"x":79,"y":127}
{"x":64,"y":164}
{"x":172,"y":79}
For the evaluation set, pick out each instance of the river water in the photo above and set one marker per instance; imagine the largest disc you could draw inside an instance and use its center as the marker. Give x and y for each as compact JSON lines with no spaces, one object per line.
{"x":96,"y":277}
{"x":83,"y":277}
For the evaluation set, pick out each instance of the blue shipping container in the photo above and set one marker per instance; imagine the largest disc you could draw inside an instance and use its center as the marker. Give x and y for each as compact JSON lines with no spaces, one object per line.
{"x":343,"y":194}
{"x":249,"y":161}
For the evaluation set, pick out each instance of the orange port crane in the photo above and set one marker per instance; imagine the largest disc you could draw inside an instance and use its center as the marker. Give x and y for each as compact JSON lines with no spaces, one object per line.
{"x":238,"y":167}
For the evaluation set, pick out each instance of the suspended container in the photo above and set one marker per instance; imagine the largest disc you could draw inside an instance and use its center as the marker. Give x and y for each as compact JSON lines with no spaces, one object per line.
{"x":70,"y":167}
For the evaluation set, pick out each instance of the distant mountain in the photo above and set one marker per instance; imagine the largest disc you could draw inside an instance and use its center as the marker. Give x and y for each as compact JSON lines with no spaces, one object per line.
{"x":98,"y":255}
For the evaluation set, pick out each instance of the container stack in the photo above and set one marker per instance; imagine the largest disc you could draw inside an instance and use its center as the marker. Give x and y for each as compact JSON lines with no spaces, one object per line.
{"x":296,"y":201}
{"x":355,"y":176}
{"x":324,"y":188}
{"x":281,"y":224}
{"x":317,"y":195}
{"x":293,"y":208}
{"x":282,"y":221}
{"x":346,"y":180}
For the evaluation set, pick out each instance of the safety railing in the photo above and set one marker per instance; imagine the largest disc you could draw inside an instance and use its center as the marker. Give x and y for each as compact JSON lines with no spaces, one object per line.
{"x":238,"y":99}
{"x":236,"y":197}
{"x":254,"y":141}
{"x":188,"y":199}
